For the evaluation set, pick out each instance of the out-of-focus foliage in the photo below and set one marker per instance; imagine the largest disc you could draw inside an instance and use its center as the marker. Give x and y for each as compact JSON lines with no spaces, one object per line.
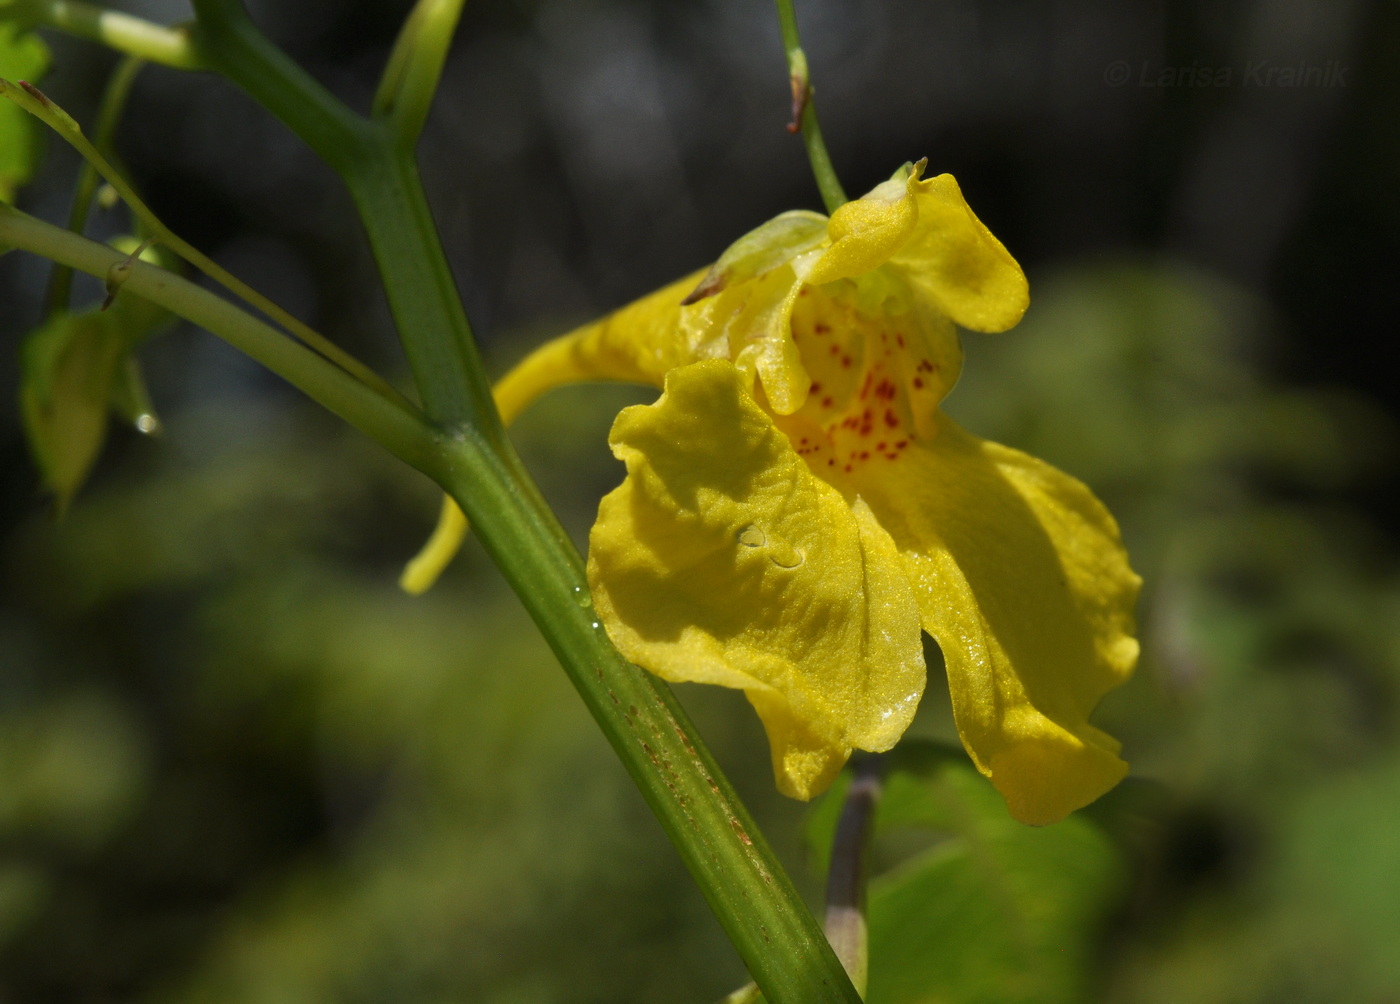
{"x":23,"y":56}
{"x":1266,"y":697}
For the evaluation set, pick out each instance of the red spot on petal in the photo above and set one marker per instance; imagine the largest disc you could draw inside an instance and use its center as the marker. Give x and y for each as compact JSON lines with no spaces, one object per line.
{"x":846,"y":362}
{"x":816,"y":387}
{"x":820,"y":329}
{"x":827,"y":402}
{"x":891,"y":419}
{"x":900,"y":339}
{"x":918,"y":383}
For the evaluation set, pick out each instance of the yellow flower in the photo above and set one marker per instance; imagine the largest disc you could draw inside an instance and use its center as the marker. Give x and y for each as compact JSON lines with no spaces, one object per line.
{"x":796,"y":508}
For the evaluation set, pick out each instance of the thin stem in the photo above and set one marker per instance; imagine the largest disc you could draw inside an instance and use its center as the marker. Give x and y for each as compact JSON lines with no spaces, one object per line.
{"x":398,"y":429}
{"x":804,"y":111}
{"x":849,"y":873}
{"x":42,"y":107}
{"x":132,"y":35}
{"x":108,"y":115}
{"x":414,"y":68}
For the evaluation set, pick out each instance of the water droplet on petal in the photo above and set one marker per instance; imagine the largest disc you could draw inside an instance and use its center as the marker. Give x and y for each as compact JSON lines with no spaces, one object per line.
{"x":752,"y":536}
{"x":780,"y":552}
{"x":147,"y":424}
{"x":582,"y":597}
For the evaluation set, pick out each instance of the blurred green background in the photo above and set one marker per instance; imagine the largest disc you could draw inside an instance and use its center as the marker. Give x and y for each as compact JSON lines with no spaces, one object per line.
{"x":237,"y":764}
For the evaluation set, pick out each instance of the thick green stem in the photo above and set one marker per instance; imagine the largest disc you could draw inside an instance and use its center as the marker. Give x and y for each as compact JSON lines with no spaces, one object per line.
{"x":422,"y":291}
{"x":775,"y":934}
{"x":804,"y":111}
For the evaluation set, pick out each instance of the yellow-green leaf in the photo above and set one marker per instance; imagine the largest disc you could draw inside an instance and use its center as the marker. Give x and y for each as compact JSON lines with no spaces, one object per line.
{"x":23,"y":56}
{"x":67,"y":370}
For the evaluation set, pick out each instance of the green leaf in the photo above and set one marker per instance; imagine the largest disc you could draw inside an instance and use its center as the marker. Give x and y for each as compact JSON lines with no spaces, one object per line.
{"x":995,"y":911}
{"x":68,"y":367}
{"x":998,"y":912}
{"x":23,"y":56}
{"x":73,"y":369}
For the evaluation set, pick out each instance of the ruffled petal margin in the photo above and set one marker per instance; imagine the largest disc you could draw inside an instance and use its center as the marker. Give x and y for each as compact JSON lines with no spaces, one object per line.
{"x":1022,"y":579}
{"x":722,"y":559}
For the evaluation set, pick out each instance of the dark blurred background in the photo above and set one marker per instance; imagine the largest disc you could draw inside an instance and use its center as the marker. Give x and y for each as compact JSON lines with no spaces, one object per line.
{"x":237,"y":765}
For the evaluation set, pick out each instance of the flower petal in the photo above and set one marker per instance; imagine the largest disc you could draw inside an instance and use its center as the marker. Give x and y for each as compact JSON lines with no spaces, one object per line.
{"x":637,"y":343}
{"x":866,"y":232}
{"x":1022,"y":579}
{"x":722,"y":559}
{"x":954,"y":261}
{"x":761,"y":250}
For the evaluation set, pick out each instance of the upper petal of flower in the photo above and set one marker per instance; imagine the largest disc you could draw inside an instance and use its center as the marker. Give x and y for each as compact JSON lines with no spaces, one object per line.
{"x":1022,"y":579}
{"x":954,"y":262}
{"x":863,"y":234}
{"x":722,"y":559}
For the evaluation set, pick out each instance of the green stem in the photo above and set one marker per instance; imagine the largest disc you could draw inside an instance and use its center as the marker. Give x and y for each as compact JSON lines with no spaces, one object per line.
{"x":422,"y":291}
{"x":786,"y":952}
{"x":232,"y":45}
{"x":397,"y":428}
{"x":108,"y":115}
{"x":34,"y":101}
{"x":383,"y":179}
{"x":132,"y":35}
{"x":804,"y":111}
{"x":414,"y":68}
